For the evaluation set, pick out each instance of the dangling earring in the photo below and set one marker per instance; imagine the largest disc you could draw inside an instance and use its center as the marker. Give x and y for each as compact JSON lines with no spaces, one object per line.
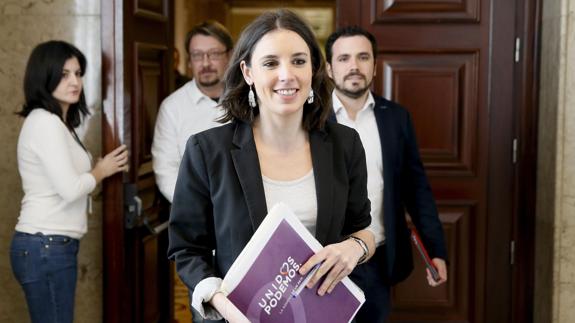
{"x":310,"y":97}
{"x":251,"y":98}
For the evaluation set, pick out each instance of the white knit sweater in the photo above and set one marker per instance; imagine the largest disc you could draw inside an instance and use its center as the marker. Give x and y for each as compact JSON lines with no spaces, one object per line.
{"x":56,"y":177}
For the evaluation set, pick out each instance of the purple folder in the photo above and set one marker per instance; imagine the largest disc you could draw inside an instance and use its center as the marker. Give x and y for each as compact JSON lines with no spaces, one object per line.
{"x":262,"y":281}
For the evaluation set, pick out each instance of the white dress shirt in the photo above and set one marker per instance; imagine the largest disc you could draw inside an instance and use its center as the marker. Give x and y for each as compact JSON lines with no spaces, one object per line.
{"x":366,"y":126}
{"x":56,"y":177}
{"x":185,"y":112}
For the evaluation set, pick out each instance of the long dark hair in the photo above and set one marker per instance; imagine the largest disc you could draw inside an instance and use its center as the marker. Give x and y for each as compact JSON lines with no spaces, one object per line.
{"x":235,"y":97}
{"x":44,"y":73}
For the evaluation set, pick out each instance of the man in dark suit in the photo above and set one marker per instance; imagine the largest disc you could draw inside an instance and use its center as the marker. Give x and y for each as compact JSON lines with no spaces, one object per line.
{"x":396,"y":178}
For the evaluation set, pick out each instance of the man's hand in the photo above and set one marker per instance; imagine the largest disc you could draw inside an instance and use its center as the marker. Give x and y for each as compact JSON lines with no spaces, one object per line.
{"x":441,"y":270}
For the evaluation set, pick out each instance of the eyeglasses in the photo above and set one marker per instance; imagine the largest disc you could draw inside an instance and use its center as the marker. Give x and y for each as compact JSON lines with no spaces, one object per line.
{"x":213,"y":55}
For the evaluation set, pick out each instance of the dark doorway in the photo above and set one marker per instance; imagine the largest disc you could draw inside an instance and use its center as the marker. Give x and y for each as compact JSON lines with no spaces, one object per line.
{"x":137,"y":38}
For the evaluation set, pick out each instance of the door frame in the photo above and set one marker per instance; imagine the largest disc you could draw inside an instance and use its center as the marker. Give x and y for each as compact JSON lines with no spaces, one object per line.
{"x":526,"y":103}
{"x":521,"y":175}
{"x":118,"y":274}
{"x":115,"y":291}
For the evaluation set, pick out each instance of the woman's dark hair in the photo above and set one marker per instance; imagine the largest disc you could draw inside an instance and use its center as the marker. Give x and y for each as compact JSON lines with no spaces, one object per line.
{"x":235,"y":97}
{"x":44,"y":73}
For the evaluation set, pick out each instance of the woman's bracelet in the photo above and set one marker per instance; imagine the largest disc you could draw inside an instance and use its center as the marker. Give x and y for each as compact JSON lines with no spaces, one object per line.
{"x":363,"y":246}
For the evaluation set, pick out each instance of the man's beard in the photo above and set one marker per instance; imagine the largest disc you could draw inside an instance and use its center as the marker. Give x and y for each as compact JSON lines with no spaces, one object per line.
{"x":354,"y":94}
{"x":209,"y":83}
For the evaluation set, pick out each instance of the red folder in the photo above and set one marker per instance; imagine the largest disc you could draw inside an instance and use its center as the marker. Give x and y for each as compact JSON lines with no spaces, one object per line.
{"x":424,"y":255}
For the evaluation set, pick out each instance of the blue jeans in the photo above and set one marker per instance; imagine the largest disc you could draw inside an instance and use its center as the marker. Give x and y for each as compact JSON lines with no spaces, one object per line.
{"x":46,"y":268}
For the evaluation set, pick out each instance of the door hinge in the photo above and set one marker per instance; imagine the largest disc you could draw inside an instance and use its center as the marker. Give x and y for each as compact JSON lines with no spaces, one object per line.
{"x":514,"y":150}
{"x":512,"y":252}
{"x":517,"y":49}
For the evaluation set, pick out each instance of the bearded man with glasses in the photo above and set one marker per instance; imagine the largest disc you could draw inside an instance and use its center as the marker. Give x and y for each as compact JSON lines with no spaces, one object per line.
{"x":193,"y":107}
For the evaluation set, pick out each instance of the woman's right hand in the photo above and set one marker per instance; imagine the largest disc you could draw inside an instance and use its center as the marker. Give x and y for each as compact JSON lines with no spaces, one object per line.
{"x":113,"y":162}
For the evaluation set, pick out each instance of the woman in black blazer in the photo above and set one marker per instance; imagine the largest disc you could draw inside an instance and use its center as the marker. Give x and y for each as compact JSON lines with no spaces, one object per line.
{"x":277,"y":147}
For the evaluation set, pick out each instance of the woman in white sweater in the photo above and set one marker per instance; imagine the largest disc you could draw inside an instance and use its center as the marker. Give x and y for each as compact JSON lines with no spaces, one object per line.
{"x":57,"y":179}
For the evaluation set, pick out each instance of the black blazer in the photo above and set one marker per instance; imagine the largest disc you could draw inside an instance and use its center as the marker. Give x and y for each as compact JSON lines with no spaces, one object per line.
{"x":219,"y":199}
{"x":406,"y":188}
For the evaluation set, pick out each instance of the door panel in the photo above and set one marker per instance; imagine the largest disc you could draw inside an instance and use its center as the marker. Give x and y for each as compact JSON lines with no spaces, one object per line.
{"x":149,"y":248}
{"x":415,"y":300}
{"x":428,"y":10}
{"x":448,"y":108}
{"x":435,"y":58}
{"x":137,"y":43}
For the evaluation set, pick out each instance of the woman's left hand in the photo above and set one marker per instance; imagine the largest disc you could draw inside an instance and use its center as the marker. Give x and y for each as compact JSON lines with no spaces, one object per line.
{"x":337,"y":261}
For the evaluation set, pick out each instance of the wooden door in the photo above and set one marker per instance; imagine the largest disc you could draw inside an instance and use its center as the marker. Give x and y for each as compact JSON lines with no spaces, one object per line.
{"x":137,"y":38}
{"x":452,"y":64}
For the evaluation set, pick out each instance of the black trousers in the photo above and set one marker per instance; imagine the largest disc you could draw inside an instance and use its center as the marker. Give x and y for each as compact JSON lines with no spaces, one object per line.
{"x":370,"y":277}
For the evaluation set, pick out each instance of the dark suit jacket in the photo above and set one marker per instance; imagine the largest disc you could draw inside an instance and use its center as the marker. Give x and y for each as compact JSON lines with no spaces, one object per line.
{"x":219,"y":198}
{"x":405,"y":188}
